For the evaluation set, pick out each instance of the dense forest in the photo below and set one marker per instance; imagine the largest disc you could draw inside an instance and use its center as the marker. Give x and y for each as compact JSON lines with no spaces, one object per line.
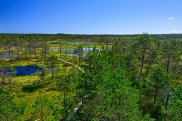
{"x":107,"y":78}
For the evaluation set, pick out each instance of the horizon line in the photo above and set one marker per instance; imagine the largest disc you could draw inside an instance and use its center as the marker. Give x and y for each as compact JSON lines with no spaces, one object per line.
{"x":92,"y":34}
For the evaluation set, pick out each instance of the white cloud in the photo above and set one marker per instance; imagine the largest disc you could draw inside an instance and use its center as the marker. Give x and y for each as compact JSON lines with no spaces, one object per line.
{"x":171,"y":18}
{"x":177,"y":31}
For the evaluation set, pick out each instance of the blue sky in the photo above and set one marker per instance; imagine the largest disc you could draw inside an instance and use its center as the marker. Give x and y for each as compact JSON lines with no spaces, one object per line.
{"x":91,"y":16}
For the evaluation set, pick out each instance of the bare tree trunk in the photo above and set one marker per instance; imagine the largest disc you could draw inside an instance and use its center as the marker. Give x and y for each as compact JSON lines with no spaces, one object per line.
{"x":168,"y":63}
{"x":167,"y":101}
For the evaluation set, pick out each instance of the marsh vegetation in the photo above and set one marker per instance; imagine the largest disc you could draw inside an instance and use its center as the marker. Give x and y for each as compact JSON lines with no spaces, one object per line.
{"x":90,"y":77}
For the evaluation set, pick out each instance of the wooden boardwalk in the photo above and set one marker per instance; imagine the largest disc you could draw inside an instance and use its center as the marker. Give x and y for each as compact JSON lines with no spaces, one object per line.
{"x":73,"y":65}
{"x":79,"y":105}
